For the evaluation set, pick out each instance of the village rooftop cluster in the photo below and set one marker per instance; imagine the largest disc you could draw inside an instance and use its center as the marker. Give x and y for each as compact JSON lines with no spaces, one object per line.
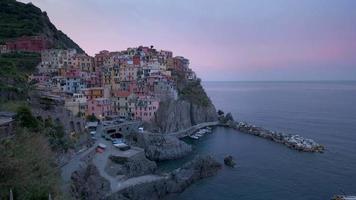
{"x":127,"y":84}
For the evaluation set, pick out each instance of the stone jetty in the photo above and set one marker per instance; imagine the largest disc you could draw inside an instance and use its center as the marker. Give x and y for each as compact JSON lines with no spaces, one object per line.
{"x":296,"y":142}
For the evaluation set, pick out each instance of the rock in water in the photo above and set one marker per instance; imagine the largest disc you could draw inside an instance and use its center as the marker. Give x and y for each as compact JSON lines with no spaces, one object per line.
{"x":229,"y":161}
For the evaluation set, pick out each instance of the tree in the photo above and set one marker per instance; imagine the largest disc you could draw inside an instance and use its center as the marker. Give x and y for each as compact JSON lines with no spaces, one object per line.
{"x":26,"y":119}
{"x":92,"y":118}
{"x":28,"y":167}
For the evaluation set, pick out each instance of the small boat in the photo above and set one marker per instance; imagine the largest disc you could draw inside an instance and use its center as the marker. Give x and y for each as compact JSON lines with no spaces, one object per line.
{"x":194,"y":137}
{"x":209,"y":129}
{"x":198,"y":134}
{"x":344,"y":197}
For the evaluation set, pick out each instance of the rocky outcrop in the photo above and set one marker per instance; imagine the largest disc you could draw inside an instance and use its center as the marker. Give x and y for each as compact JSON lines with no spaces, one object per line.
{"x":160,"y":147}
{"x":176,"y":115}
{"x":229,"y":161}
{"x":177,"y":181}
{"x":130,"y":167}
{"x":87,"y":184}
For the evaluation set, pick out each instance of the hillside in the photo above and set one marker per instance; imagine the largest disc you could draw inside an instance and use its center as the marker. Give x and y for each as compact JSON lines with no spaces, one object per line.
{"x":20,"y":19}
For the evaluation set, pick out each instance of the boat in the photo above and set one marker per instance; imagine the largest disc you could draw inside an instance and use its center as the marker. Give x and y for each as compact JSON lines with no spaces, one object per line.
{"x":344,"y":197}
{"x":198,"y":134}
{"x":209,"y":130}
{"x":194,"y":137}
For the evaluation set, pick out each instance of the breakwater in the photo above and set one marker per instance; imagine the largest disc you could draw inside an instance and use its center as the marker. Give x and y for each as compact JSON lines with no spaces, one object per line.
{"x":296,"y":142}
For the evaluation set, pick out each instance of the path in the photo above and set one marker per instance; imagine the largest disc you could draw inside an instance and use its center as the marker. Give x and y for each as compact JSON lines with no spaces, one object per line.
{"x":136,"y":180}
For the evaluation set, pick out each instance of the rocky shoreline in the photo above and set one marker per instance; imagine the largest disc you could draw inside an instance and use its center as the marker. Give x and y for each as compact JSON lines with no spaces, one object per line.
{"x":88,"y":184}
{"x":295,"y":142}
{"x":175,"y":182}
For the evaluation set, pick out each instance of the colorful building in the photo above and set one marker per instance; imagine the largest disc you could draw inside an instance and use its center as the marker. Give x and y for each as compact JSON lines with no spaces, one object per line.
{"x":99,"y":107}
{"x":145,"y":108}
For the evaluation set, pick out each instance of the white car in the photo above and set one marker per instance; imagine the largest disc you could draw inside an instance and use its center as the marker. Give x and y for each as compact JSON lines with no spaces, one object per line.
{"x":122,"y":146}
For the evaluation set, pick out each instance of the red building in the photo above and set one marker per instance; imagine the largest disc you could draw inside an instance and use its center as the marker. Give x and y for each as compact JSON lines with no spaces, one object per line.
{"x":180,"y":63}
{"x":29,"y":43}
{"x":136,"y":60}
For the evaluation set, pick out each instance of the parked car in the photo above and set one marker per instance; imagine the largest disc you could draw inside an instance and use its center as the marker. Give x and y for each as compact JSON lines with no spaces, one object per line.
{"x":117,"y":141}
{"x":122,"y":146}
{"x":102,"y":146}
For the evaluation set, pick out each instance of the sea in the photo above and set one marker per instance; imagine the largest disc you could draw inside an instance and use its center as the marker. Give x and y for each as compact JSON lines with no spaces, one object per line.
{"x":322,"y":111}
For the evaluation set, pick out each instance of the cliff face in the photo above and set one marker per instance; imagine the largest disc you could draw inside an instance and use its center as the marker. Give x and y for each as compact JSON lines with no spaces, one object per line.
{"x":192,"y":107}
{"x":180,"y":114}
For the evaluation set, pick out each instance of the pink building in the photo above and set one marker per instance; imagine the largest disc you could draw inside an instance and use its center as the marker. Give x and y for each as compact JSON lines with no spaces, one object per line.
{"x":99,"y":107}
{"x":145,"y":108}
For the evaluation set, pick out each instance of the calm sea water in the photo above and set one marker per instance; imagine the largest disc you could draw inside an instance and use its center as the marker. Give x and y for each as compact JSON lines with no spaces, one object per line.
{"x":323,"y":111}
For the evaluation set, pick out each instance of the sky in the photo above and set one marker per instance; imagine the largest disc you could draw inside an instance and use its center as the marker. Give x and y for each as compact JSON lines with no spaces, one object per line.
{"x":225,"y":40}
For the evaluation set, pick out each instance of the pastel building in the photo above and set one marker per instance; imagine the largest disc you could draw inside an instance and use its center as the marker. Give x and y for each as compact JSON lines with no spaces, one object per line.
{"x":74,"y":84}
{"x":128,"y":73}
{"x":77,"y":104}
{"x":54,"y":59}
{"x":122,"y":99}
{"x":99,"y":107}
{"x":180,"y":63}
{"x":93,"y":93}
{"x":145,"y":108}
{"x":83,"y":62}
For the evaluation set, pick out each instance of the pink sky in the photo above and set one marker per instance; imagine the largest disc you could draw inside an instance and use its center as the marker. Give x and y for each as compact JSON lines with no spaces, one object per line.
{"x":224,"y":40}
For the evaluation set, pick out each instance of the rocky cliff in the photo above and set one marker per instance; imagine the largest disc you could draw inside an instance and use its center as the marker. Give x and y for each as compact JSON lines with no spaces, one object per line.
{"x":192,"y":107}
{"x":176,"y":115}
{"x":159,"y":147}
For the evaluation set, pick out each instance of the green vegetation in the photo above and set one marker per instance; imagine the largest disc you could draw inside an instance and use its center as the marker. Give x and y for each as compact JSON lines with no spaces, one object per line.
{"x":92,"y":118}
{"x":26,"y":120}
{"x":194,"y":93}
{"x":191,"y":90}
{"x":28,"y":167}
{"x":19,"y":19}
{"x":14,"y":71}
{"x":54,"y":131}
{"x":11,"y":106}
